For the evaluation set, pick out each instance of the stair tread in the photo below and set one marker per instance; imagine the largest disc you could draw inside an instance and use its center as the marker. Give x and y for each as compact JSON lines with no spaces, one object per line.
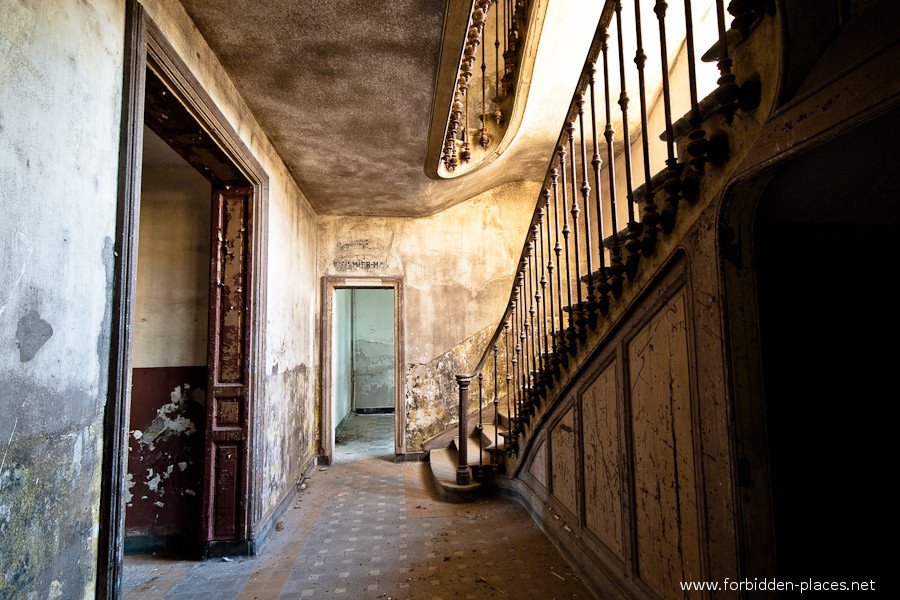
{"x":443,"y":463}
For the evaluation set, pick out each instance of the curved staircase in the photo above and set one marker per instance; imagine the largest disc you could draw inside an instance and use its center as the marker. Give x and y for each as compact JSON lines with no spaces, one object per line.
{"x":486,"y":453}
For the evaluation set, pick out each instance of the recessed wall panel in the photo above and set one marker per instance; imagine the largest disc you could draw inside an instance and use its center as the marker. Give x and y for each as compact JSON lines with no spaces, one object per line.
{"x":602,"y":475}
{"x":666,"y":516}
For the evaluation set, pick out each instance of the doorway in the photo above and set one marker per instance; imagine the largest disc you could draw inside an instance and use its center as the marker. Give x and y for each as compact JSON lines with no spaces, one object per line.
{"x":160,"y":90}
{"x":169,"y":366}
{"x":362,"y":392}
{"x":363,"y":372}
{"x":824,"y":251}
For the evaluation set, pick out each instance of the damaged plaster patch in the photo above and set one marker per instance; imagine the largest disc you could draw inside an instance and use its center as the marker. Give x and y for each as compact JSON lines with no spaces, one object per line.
{"x":164,"y":425}
{"x":32,"y":333}
{"x":432,"y":394}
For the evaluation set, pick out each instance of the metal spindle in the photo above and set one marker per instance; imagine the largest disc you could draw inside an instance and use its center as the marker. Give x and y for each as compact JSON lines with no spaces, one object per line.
{"x":485,"y":140}
{"x":650,"y":218}
{"x":554,"y":178}
{"x":480,"y":421}
{"x":497,"y":53}
{"x":697,"y":144}
{"x":615,"y":251}
{"x":727,"y":93}
{"x":546,"y":195}
{"x":672,"y":185}
{"x":463,"y":472}
{"x":535,"y":287}
{"x":496,"y":409}
{"x":576,"y":311}
{"x":632,"y":243}
{"x":602,"y":275}
{"x":585,"y":195}
{"x":541,"y":215}
{"x":515,"y":360}
{"x":509,"y":377}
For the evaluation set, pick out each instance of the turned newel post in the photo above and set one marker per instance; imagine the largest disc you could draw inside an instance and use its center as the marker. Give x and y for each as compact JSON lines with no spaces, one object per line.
{"x":463,"y":473}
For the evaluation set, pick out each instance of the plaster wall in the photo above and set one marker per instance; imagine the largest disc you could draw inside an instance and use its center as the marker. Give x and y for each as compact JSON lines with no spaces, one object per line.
{"x":343,"y":354}
{"x":457,"y":271}
{"x":61,"y":74}
{"x":373,"y":348}
{"x":287,"y":408}
{"x":172,"y":296}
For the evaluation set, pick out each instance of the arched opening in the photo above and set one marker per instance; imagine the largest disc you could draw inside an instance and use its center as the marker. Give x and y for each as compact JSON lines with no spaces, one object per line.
{"x":824,"y":255}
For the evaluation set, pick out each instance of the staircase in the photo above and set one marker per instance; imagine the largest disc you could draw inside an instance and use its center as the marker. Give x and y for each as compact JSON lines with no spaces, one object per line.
{"x":486,"y":453}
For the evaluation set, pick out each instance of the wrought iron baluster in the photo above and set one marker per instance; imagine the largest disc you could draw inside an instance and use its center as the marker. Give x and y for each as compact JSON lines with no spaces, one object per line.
{"x":480,"y":427}
{"x":672,"y":184}
{"x":577,"y":310}
{"x":550,"y":269}
{"x":697,"y":145}
{"x":632,"y":239}
{"x":591,"y":304}
{"x":601,"y":277}
{"x":496,"y":409}
{"x":463,"y":472}
{"x":540,"y":260}
{"x":728,"y":91}
{"x":509,"y":377}
{"x":650,"y":218}
{"x":616,"y":268}
{"x":554,"y":178}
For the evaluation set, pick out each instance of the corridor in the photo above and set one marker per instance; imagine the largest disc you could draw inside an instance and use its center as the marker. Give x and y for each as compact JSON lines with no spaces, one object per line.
{"x":367,"y":527}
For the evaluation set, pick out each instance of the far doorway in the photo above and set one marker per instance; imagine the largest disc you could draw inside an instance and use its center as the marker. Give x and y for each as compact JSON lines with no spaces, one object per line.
{"x":364,"y":372}
{"x":363,"y":408}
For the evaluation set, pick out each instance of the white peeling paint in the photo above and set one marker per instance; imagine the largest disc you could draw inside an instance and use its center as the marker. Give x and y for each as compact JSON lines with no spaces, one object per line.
{"x":129,"y":483}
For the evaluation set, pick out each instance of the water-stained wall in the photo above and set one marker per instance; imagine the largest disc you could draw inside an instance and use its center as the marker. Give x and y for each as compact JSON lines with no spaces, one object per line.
{"x":61,"y":74}
{"x":373,"y":349}
{"x":456,"y":267}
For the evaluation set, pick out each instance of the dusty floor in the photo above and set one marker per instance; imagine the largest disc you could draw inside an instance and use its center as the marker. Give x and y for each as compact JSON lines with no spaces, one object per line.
{"x":367,"y":527}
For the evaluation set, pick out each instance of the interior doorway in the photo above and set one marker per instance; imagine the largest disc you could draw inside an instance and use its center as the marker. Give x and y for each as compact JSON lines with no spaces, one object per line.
{"x":169,"y":366}
{"x":160,"y":90}
{"x":362,"y":393}
{"x":363,"y":372}
{"x":824,"y":246}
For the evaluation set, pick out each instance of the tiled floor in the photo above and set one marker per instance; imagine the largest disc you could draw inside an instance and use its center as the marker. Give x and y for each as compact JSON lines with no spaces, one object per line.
{"x":367,"y":527}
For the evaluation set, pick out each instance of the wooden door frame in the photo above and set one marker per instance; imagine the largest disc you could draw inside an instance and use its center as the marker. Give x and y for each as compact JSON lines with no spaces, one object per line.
{"x":331,"y":283}
{"x":146,"y":46}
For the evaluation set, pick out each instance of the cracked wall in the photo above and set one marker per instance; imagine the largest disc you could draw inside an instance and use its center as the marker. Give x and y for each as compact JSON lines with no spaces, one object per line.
{"x":61,"y":68}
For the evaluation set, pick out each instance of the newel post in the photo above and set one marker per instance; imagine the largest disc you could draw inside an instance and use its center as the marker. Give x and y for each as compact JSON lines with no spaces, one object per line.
{"x":463,"y":473}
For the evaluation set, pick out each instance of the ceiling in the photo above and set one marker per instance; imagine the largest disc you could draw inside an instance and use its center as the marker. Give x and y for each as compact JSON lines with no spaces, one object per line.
{"x":344,"y":91}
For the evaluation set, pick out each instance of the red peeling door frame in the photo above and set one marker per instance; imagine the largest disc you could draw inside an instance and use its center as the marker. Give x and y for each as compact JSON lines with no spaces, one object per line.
{"x":226,"y":461}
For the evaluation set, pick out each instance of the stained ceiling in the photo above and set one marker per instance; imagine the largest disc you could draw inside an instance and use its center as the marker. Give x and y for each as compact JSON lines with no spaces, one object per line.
{"x":344,"y":91}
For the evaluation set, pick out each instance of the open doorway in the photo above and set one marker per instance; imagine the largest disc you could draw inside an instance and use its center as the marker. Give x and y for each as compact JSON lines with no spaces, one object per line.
{"x":169,"y":367}
{"x":160,"y":90}
{"x":364,"y":372}
{"x":363,"y":403}
{"x":824,"y":249}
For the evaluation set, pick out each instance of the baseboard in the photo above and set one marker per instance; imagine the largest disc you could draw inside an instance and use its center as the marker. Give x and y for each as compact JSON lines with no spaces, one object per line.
{"x":377,"y":410}
{"x":176,"y":544}
{"x":411,"y":457}
{"x":255,"y":545}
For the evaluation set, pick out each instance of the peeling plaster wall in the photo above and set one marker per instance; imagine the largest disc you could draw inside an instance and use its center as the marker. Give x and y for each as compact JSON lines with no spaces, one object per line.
{"x":287,"y":409}
{"x":373,"y":349}
{"x":457,"y":271}
{"x":60,"y":96}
